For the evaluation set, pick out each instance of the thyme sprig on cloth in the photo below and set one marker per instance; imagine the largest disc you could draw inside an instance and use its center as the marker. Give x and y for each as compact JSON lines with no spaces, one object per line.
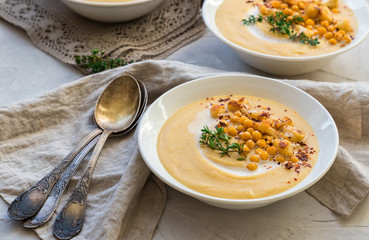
{"x":284,"y":25}
{"x":219,"y":141}
{"x":97,"y":62}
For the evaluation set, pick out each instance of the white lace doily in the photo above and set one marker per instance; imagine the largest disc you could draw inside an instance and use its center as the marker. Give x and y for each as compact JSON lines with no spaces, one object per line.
{"x":63,"y":34}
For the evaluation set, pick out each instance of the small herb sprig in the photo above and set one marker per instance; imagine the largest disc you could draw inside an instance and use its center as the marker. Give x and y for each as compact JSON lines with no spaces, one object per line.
{"x":97,"y":62}
{"x":252,"y":19}
{"x":219,"y":141}
{"x":280,"y":23}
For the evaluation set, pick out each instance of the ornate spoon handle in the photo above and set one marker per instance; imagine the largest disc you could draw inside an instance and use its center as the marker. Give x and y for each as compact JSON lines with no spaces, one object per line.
{"x":53,"y":200}
{"x":69,"y":221}
{"x":30,"y":201}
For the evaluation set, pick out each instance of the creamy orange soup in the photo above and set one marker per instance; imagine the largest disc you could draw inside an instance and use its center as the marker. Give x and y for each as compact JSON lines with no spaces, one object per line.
{"x":331,"y":22}
{"x":284,"y":152}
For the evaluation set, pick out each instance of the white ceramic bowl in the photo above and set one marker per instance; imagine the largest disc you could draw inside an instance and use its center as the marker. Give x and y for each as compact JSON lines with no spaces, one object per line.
{"x":280,"y":65}
{"x":112,"y":12}
{"x":170,"y":102}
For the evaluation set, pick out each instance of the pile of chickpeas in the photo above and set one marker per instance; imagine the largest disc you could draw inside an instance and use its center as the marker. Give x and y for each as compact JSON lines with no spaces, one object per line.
{"x":262,"y":135}
{"x":318,"y":18}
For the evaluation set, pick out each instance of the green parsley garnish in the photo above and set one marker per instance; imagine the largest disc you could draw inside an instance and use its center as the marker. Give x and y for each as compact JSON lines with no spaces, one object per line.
{"x":97,"y":62}
{"x":219,"y":141}
{"x":280,"y":23}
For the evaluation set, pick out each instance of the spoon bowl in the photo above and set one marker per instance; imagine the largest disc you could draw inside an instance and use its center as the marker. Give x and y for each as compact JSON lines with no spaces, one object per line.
{"x":144,"y":99}
{"x":114,"y":112}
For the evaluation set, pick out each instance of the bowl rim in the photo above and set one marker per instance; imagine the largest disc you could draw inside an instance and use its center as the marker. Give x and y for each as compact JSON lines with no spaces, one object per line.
{"x":210,"y":26}
{"x":109,"y":4}
{"x":229,"y":201}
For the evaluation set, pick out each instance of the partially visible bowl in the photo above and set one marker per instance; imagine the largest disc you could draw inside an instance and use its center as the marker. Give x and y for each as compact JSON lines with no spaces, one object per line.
{"x":281,"y":65}
{"x":112,"y":11}
{"x":304,"y":104}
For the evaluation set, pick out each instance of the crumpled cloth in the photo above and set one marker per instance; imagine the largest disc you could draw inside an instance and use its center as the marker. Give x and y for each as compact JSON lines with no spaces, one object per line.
{"x":125,"y":201}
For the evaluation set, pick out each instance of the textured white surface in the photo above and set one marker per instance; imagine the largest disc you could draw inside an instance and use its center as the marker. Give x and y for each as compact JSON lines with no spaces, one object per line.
{"x":27,"y":72}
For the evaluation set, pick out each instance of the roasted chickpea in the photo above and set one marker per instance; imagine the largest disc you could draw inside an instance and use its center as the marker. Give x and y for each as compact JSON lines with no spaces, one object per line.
{"x":332,"y":41}
{"x":275,"y":4}
{"x":276,"y":142}
{"x":328,"y":35}
{"x":271,"y":150}
{"x":295,"y":8}
{"x":232,"y":131}
{"x":245,"y":149}
{"x":264,"y":10}
{"x":256,"y":135}
{"x":280,"y":159}
{"x":321,"y":30}
{"x":294,"y":159}
{"x":245,"y":136}
{"x":324,"y":24}
{"x":242,"y":119}
{"x":216,"y":110}
{"x":258,"y":150}
{"x":250,"y":144}
{"x":248,"y":123}
{"x":238,"y":113}
{"x":252,"y":166}
{"x":286,"y":11}
{"x":264,"y":155}
{"x":234,"y":119}
{"x":346,"y":39}
{"x":261,"y":143}
{"x":222,"y":123}
{"x":284,"y":5}
{"x":342,"y":32}
{"x":285,"y":148}
{"x":311,"y":10}
{"x":240,"y":128}
{"x":233,"y":106}
{"x":309,"y":22}
{"x":254,"y":158}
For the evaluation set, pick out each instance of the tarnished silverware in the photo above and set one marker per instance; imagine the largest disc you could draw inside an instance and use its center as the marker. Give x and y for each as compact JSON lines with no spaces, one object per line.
{"x":116,"y":110}
{"x":53,"y":200}
{"x":30,"y":201}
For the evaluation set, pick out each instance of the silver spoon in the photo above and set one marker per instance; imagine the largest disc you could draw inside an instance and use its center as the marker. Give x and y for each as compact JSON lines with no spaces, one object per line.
{"x":54,"y":197}
{"x":115,"y":111}
{"x":53,"y":200}
{"x":30,"y":201}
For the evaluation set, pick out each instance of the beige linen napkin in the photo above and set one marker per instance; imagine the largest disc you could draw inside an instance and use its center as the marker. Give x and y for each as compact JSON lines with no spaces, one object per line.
{"x":63,"y":34}
{"x":123,"y":202}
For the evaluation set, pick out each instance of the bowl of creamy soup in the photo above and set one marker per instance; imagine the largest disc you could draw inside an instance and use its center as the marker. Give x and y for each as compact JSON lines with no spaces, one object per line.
{"x":288,"y":37}
{"x":238,"y":141}
{"x":112,"y":10}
